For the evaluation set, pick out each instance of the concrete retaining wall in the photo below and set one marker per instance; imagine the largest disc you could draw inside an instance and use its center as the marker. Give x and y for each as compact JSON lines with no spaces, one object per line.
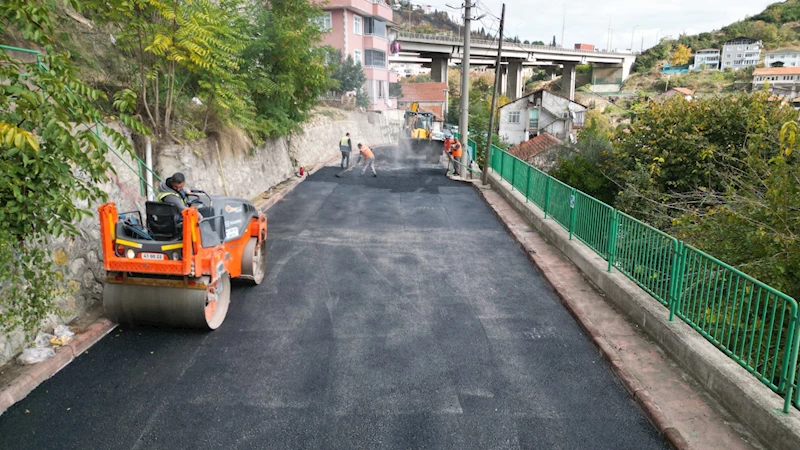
{"x":247,"y":172}
{"x":740,"y":393}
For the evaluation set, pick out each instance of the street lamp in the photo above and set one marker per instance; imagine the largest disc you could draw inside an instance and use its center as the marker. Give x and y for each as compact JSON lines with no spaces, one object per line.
{"x":633,"y":34}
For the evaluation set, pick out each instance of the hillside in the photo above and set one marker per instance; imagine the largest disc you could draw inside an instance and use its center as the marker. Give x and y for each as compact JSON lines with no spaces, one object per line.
{"x":778,"y":26}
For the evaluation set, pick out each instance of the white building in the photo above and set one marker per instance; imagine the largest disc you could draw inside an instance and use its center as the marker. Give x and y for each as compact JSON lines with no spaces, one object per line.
{"x":706,"y":59}
{"x":741,"y":53}
{"x":408,"y":70}
{"x":541,"y":111}
{"x":783,"y":81}
{"x":783,"y":58}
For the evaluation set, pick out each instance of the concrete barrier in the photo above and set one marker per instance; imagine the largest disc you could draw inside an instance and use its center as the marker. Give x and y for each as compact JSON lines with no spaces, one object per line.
{"x":754,"y":404}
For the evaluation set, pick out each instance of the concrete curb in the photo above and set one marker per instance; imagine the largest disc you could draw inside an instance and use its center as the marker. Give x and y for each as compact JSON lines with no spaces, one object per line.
{"x":36,"y":374}
{"x":748,"y":400}
{"x":272,"y":201}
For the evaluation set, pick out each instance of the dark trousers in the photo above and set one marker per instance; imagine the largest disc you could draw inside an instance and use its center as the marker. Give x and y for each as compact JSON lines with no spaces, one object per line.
{"x":345,"y":160}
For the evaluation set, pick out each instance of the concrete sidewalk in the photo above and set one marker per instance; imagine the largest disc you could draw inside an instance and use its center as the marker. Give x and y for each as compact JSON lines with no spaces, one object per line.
{"x":685,"y":414}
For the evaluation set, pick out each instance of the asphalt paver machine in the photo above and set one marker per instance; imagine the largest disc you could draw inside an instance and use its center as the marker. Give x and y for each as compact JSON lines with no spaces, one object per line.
{"x":175,"y":269}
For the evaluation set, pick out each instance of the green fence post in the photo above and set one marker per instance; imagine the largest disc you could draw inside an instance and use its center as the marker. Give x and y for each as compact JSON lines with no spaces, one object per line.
{"x":571,"y":214}
{"x":513,"y":172}
{"x":527,"y":183}
{"x":501,"y":166}
{"x":792,"y":362}
{"x":547,"y":197}
{"x":612,"y":238}
{"x":675,"y":279}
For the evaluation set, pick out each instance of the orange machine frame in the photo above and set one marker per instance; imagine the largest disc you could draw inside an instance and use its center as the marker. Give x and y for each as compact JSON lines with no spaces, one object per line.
{"x":195,"y":261}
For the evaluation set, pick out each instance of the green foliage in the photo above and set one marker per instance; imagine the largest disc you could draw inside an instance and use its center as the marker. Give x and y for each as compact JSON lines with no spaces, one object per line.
{"x":348,"y":74}
{"x":589,"y":161}
{"x":48,"y":167}
{"x":780,"y":13}
{"x":283,"y":66}
{"x":395,"y":90}
{"x":362,"y":99}
{"x":652,"y":56}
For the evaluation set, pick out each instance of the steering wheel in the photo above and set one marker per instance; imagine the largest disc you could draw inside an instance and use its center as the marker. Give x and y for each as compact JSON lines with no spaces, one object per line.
{"x":194,"y":199}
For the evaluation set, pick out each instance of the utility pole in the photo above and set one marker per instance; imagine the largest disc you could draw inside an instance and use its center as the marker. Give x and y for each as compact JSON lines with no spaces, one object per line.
{"x":563,"y":26}
{"x":463,"y":124}
{"x":633,"y":35}
{"x":497,"y":80}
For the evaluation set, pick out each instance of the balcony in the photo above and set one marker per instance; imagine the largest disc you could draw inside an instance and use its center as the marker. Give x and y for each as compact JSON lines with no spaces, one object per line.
{"x":376,"y":8}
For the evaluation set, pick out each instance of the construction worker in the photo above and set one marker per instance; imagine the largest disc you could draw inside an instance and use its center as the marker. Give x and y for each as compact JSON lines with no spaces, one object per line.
{"x":173,"y":191}
{"x":345,"y":146}
{"x":455,"y":156}
{"x":369,"y":158}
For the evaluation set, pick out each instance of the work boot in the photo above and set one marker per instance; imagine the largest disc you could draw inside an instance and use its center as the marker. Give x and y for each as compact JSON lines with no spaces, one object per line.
{"x":375,"y":175}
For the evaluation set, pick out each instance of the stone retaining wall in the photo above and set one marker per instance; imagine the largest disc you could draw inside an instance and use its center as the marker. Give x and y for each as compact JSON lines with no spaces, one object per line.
{"x":246,"y":172}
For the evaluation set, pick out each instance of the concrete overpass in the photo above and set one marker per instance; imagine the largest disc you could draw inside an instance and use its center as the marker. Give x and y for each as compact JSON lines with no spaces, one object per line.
{"x":612,"y":68}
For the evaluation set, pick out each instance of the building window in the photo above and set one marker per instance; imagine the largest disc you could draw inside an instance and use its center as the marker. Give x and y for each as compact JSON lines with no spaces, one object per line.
{"x":375,"y":58}
{"x":533,"y":119}
{"x":374,"y":27}
{"x":381,"y":85}
{"x":325,"y":21}
{"x":357,"y":25}
{"x":513,"y":117}
{"x":357,"y":57}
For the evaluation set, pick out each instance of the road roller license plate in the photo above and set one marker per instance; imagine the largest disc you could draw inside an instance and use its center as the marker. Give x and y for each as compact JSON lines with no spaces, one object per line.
{"x":158,"y":256}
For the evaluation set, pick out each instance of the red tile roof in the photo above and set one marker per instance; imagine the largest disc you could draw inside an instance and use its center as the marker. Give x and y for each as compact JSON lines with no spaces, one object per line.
{"x":424,"y":92}
{"x":533,"y":147}
{"x":683,"y":91}
{"x":777,"y":71}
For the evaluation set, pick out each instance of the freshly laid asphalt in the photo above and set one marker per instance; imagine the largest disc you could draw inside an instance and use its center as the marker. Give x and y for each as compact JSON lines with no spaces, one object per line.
{"x":396,"y":313}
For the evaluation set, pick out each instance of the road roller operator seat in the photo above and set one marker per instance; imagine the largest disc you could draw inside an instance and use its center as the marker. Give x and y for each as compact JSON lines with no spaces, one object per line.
{"x":162,"y":221}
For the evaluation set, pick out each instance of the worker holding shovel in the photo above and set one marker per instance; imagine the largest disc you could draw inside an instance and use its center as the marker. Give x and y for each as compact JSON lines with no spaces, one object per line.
{"x":369,"y":161}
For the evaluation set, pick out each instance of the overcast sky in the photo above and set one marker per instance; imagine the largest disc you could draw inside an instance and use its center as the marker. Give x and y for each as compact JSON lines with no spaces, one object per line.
{"x":588,"y":20}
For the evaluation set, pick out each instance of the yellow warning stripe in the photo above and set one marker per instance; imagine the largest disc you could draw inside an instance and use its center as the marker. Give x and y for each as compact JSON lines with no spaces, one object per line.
{"x":164,"y":248}
{"x":129,"y":243}
{"x":111,"y":228}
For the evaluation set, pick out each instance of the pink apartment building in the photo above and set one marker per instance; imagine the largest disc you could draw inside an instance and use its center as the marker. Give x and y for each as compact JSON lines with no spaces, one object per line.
{"x":360,"y":28}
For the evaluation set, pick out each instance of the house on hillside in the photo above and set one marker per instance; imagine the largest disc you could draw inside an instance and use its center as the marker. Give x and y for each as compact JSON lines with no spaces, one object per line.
{"x":741,"y":53}
{"x":706,"y":59}
{"x":687,"y":94}
{"x":540,"y":112}
{"x":360,"y":29}
{"x":541,"y":152}
{"x":782,"y":58}
{"x":782,"y":81}
{"x":430,"y":96}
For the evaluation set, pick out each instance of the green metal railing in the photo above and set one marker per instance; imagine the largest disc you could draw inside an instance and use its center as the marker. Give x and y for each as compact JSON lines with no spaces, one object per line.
{"x":754,"y":324}
{"x":141,"y":165}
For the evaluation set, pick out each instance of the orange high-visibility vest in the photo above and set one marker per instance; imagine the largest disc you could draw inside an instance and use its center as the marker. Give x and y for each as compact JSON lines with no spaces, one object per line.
{"x":367,"y":152}
{"x":457,"y":151}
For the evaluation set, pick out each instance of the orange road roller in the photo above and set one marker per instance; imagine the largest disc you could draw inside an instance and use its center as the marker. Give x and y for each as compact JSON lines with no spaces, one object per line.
{"x":175,"y":268}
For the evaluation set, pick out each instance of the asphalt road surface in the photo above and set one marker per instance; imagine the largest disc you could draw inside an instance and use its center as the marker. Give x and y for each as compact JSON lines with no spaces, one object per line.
{"x":396,"y":313}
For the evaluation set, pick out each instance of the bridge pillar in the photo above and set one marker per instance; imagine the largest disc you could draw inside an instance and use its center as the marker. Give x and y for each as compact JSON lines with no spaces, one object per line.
{"x":439,"y":68}
{"x":551,"y":72}
{"x":568,"y":81}
{"x":514,"y":80}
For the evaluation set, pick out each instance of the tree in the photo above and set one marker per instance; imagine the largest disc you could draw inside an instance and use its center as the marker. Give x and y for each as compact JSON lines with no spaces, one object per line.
{"x":681,"y":55}
{"x":49,"y":167}
{"x":395,"y":90}
{"x":554,"y":41}
{"x":347,"y":73}
{"x":283,"y":64}
{"x":679,"y":147}
{"x":588,"y":164}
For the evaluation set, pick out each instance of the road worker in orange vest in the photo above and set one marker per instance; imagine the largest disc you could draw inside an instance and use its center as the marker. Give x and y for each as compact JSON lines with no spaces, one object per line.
{"x":456,"y":152}
{"x":369,"y":157}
